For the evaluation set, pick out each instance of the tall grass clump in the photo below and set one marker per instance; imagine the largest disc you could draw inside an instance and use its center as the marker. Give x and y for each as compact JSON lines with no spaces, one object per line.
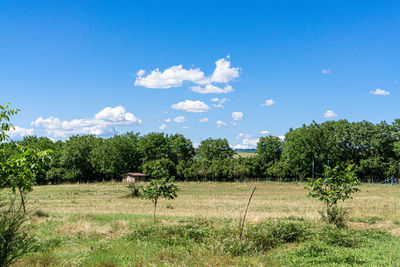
{"x":14,"y":239}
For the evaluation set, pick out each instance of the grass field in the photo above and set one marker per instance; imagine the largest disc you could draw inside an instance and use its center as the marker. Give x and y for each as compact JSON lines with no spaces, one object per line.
{"x":96,"y":225}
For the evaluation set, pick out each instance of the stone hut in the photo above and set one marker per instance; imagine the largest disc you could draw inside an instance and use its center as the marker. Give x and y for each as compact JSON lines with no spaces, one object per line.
{"x":133,"y":177}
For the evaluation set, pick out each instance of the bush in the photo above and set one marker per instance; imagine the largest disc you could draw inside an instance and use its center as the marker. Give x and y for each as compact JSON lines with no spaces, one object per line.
{"x":336,"y":216}
{"x":135,"y":190}
{"x":14,"y":240}
{"x":342,"y":237}
{"x":265,"y":236}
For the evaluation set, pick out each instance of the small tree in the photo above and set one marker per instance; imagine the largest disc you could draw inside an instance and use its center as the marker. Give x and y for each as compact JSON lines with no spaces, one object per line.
{"x":337,"y":185}
{"x":19,"y":173}
{"x":161,"y":185}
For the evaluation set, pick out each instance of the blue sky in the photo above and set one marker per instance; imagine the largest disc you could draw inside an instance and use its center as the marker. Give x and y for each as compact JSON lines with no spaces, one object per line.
{"x":72,"y":66}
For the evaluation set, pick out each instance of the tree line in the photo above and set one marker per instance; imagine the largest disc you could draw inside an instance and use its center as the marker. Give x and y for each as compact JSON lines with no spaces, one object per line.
{"x":374,"y":150}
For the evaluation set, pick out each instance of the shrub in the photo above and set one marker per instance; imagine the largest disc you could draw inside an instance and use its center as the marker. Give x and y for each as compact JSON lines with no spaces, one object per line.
{"x":336,"y":185}
{"x":14,"y":239}
{"x":135,"y":190}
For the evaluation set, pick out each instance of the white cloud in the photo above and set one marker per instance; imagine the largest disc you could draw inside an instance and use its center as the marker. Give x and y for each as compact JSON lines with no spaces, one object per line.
{"x":330,"y":114}
{"x":396,"y":82}
{"x":141,"y":73}
{"x":378,"y":91}
{"x":237,"y":115}
{"x":171,"y":77}
{"x":327,"y":71}
{"x":163,"y":126}
{"x":185,"y":127}
{"x":264,"y":132}
{"x":221,"y":124}
{"x":180,"y":119}
{"x":191,"y":106}
{"x":212,"y":89}
{"x":247,"y":141}
{"x":19,"y":132}
{"x":204,"y":119}
{"x":167,"y":120}
{"x":281,"y":137}
{"x":175,"y":76}
{"x":103,"y":123}
{"x":268,"y":102}
{"x":220,"y":101}
{"x":165,"y":112}
{"x":223,"y":72}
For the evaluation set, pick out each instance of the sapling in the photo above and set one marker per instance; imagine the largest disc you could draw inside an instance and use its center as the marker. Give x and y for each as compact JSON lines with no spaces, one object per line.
{"x":161,"y":185}
{"x":336,"y":185}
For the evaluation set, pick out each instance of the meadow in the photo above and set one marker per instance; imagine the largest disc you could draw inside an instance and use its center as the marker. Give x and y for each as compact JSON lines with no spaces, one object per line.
{"x":97,"y":225}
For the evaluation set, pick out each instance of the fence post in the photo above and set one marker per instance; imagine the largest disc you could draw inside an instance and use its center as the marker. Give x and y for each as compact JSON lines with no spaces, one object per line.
{"x":373,"y":181}
{"x":385,"y":180}
{"x":392,"y":180}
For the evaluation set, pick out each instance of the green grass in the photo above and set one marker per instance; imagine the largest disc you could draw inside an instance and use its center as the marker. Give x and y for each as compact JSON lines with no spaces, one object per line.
{"x":283,"y":228}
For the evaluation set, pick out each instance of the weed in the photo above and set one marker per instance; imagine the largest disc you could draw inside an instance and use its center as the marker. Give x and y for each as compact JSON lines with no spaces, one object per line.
{"x":40,"y":214}
{"x":367,"y":220}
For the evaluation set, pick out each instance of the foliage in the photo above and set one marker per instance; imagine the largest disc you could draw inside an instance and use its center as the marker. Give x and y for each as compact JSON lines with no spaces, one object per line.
{"x":215,"y":149}
{"x":135,"y":190}
{"x":5,"y":114}
{"x":14,"y":240}
{"x":336,"y":185}
{"x":19,"y":173}
{"x":161,"y":185}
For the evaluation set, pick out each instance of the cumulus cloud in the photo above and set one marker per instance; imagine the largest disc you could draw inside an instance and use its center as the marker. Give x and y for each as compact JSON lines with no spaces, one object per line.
{"x":204,"y":119}
{"x":221,"y":124}
{"x":237,"y":115}
{"x":378,"y":91}
{"x":219,"y":102}
{"x":175,"y":76}
{"x":103,"y":123}
{"x":171,"y":77}
{"x":212,"y":89}
{"x":329,"y":114}
{"x":185,"y":127}
{"x":19,"y":132}
{"x":163,"y":126}
{"x":180,"y":119}
{"x":281,"y":137}
{"x":327,"y":71}
{"x":268,"y":102}
{"x":191,"y":106}
{"x":247,"y":141}
{"x":167,"y":120}
{"x":264,"y":132}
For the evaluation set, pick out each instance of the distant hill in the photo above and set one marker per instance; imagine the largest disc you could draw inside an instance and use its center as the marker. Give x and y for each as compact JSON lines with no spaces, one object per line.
{"x":252,"y":150}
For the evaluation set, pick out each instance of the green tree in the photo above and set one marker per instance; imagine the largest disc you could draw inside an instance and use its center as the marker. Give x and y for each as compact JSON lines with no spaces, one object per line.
{"x":215,"y":149}
{"x":5,"y":114}
{"x":161,"y":185}
{"x":181,"y":148}
{"x":116,"y":155}
{"x":75,"y":158}
{"x":19,"y":173}
{"x":153,"y":146}
{"x":336,"y":185}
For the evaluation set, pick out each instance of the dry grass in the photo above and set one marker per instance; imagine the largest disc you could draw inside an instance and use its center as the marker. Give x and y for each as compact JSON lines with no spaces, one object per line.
{"x":209,"y":199}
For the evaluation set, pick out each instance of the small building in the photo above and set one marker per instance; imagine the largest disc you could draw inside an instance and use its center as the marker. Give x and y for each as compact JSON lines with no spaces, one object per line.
{"x":133,"y":177}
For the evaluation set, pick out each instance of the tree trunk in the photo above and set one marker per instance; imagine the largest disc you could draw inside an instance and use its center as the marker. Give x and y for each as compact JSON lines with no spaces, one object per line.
{"x":22,"y":199}
{"x":155,"y":207}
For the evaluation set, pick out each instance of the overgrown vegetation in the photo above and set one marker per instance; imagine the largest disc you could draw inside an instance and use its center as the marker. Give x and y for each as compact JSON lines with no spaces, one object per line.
{"x":374,"y":149}
{"x":336,"y":185}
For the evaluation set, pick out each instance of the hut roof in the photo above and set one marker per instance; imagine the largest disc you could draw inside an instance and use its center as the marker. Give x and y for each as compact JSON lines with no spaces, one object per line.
{"x":135,"y":174}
